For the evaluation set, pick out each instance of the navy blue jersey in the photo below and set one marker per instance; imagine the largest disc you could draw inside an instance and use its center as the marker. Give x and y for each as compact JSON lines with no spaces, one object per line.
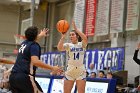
{"x":23,"y":61}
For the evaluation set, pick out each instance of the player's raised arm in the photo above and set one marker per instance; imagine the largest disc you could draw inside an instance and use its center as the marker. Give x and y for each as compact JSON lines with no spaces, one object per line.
{"x":62,"y":27}
{"x":81,"y":34}
{"x":60,"y":46}
{"x":43,"y":33}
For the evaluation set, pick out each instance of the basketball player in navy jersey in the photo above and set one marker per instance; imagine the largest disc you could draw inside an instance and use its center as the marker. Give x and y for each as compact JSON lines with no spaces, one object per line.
{"x":22,"y":78}
{"x":75,"y":51}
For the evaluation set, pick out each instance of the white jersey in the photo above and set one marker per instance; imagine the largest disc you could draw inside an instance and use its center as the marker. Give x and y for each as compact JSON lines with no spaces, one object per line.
{"x":75,"y":53}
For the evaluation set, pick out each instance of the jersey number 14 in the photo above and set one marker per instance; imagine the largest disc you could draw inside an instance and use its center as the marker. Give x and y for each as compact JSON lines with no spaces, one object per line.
{"x":76,"y":56}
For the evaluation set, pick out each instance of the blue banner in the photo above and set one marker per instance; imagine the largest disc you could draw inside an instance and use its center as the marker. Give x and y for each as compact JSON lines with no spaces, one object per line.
{"x":108,"y":58}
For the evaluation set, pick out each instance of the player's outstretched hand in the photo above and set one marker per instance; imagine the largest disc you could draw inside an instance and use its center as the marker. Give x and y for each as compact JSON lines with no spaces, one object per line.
{"x":74,"y":25}
{"x":57,"y":69}
{"x":44,"y":32}
{"x":63,"y":35}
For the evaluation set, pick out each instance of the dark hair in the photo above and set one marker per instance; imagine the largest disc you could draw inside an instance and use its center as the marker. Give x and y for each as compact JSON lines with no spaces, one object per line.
{"x":109,"y":73}
{"x":87,"y":73}
{"x":77,"y":35}
{"x":31,"y":33}
{"x":101,"y":71}
{"x":94,"y":73}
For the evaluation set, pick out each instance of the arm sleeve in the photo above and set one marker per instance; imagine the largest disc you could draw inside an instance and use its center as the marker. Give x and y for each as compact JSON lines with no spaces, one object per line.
{"x":34,"y":50}
{"x":135,"y":57}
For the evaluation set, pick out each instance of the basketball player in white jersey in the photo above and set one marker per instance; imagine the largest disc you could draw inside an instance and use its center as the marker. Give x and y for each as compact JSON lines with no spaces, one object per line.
{"x":75,"y":51}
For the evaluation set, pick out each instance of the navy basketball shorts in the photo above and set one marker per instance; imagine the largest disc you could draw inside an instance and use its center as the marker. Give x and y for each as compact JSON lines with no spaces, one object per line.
{"x":24,"y":83}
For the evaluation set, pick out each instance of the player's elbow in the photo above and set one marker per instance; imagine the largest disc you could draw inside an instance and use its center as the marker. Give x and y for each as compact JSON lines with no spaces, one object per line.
{"x":34,"y":60}
{"x":59,"y":48}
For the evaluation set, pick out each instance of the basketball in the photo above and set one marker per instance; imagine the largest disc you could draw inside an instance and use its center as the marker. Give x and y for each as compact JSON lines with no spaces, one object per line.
{"x":62,"y":26}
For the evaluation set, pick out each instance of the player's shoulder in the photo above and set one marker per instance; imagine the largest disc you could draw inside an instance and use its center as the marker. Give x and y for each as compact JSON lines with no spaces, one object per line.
{"x":79,"y":43}
{"x":30,"y":43}
{"x":67,"y":44}
{"x":34,"y":44}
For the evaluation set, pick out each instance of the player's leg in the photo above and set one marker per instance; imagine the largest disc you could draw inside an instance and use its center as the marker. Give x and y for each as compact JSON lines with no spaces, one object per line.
{"x":35,"y":85}
{"x":81,"y":86}
{"x":81,"y":79}
{"x":69,"y":79}
{"x":68,"y":85}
